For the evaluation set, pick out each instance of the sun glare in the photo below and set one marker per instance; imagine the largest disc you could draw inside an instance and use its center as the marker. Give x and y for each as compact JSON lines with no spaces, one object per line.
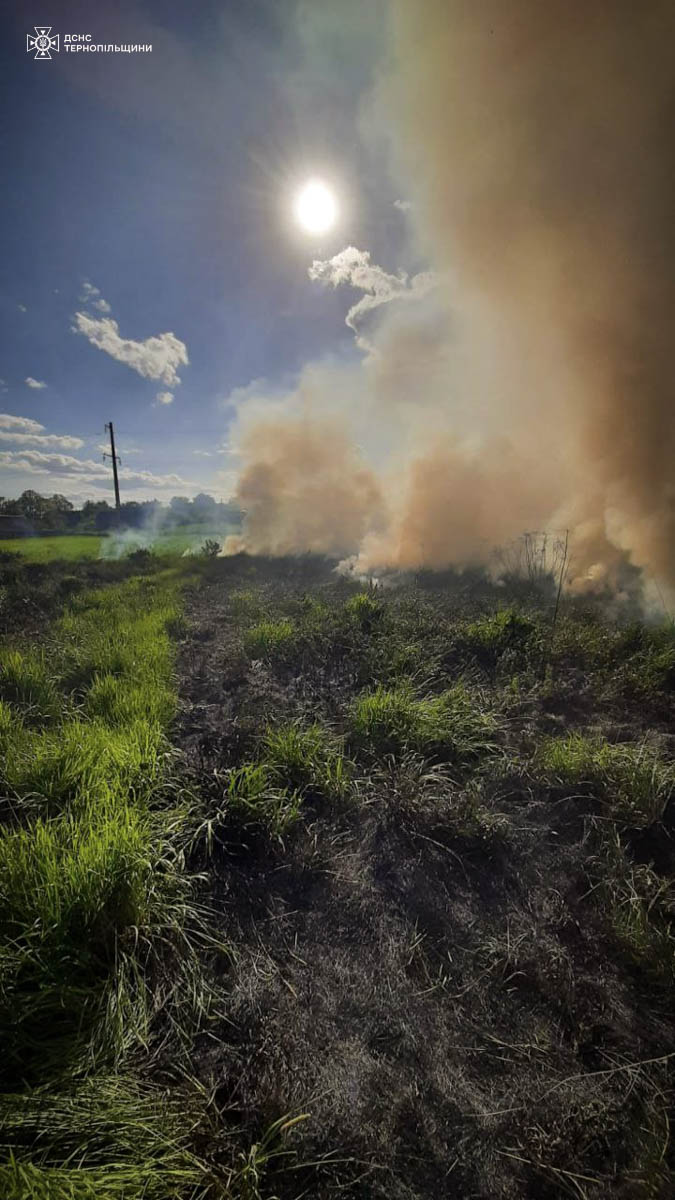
{"x":315,"y":207}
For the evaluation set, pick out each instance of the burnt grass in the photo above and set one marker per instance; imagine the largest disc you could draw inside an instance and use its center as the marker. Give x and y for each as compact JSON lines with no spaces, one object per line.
{"x":458,"y":964}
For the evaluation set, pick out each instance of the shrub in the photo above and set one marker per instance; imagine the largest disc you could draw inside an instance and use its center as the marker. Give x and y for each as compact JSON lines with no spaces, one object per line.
{"x":491,"y":637}
{"x":141,"y":558}
{"x":365,"y":609}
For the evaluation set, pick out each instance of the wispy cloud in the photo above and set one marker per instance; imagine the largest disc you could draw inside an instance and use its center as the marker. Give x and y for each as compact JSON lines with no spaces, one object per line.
{"x":164,"y":398}
{"x":155,"y":358}
{"x":353,"y":267}
{"x":203,"y":453}
{"x":104,"y":447}
{"x":22,"y":308}
{"x":25,"y":424}
{"x":92,"y":295}
{"x":64,"y":441}
{"x":34,"y":383}
{"x":404,"y":205}
{"x":36,"y":462}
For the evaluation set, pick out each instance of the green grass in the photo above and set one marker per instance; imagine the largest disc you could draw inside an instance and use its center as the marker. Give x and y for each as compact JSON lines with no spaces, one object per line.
{"x":294,"y":762}
{"x":109,"y":1139}
{"x":306,"y":759}
{"x":25,"y":680}
{"x":253,"y":797}
{"x":364,"y":608}
{"x":86,"y":867}
{"x":448,"y":727}
{"x":47,"y":549}
{"x":632,"y":780}
{"x":268,"y":639}
{"x":98,"y":933}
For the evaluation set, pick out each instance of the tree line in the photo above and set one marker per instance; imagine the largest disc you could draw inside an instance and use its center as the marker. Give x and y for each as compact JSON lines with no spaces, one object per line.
{"x":57,"y":514}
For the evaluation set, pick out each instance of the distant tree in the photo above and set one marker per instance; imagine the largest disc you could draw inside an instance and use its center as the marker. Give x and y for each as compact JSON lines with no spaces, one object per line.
{"x":180,"y":509}
{"x":105,"y":519}
{"x":131,"y":514}
{"x":90,"y":510}
{"x":43,"y":512}
{"x":204,"y":507}
{"x":230,"y":513}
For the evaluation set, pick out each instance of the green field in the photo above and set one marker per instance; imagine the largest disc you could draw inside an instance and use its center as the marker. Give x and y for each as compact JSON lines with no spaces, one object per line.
{"x":48,"y":549}
{"x":78,"y":546}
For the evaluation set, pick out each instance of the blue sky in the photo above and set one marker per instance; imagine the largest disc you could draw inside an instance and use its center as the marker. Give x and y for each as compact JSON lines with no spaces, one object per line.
{"x":154,"y":191}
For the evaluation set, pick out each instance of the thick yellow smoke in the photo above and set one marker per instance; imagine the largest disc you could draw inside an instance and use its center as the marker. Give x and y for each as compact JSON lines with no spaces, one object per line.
{"x":304,"y":488}
{"x":535,"y":388}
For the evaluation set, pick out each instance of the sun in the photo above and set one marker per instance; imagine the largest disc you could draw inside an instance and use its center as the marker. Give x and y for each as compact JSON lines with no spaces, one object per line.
{"x":315,"y":207}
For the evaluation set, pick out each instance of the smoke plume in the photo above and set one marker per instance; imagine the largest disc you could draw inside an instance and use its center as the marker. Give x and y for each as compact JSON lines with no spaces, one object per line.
{"x":533,"y":386}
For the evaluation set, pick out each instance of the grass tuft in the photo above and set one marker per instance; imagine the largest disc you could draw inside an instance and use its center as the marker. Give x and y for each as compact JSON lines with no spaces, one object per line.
{"x":448,"y":727}
{"x":306,"y":759}
{"x":269,"y":638}
{"x":631,"y":779}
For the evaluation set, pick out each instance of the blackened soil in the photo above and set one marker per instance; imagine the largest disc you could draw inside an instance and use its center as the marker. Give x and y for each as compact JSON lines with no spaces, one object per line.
{"x":444,"y":997}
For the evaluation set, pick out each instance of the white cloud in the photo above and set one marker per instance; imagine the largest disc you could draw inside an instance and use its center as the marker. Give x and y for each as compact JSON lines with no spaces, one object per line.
{"x":92,"y":295}
{"x":155,"y":358}
{"x":25,"y":424}
{"x":22,"y":308}
{"x":104,"y":447}
{"x":38,"y":463}
{"x":354,"y":267}
{"x":35,"y":462}
{"x":404,"y":205}
{"x":64,"y":441}
{"x":34,"y":383}
{"x":164,"y":398}
{"x":203,"y":453}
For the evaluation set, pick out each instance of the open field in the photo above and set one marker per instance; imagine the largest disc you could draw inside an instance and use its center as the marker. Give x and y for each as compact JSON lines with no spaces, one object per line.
{"x":311,"y":889}
{"x":47,"y":549}
{"x":72,"y":548}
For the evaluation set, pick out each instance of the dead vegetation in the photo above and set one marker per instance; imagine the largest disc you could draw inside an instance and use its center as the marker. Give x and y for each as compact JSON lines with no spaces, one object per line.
{"x":441,"y":849}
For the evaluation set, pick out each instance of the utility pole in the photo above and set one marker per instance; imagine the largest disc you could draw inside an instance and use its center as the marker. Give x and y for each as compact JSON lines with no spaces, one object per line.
{"x":115,"y":460}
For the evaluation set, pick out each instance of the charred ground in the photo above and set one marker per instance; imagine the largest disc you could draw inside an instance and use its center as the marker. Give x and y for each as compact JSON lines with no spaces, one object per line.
{"x":440,"y":847}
